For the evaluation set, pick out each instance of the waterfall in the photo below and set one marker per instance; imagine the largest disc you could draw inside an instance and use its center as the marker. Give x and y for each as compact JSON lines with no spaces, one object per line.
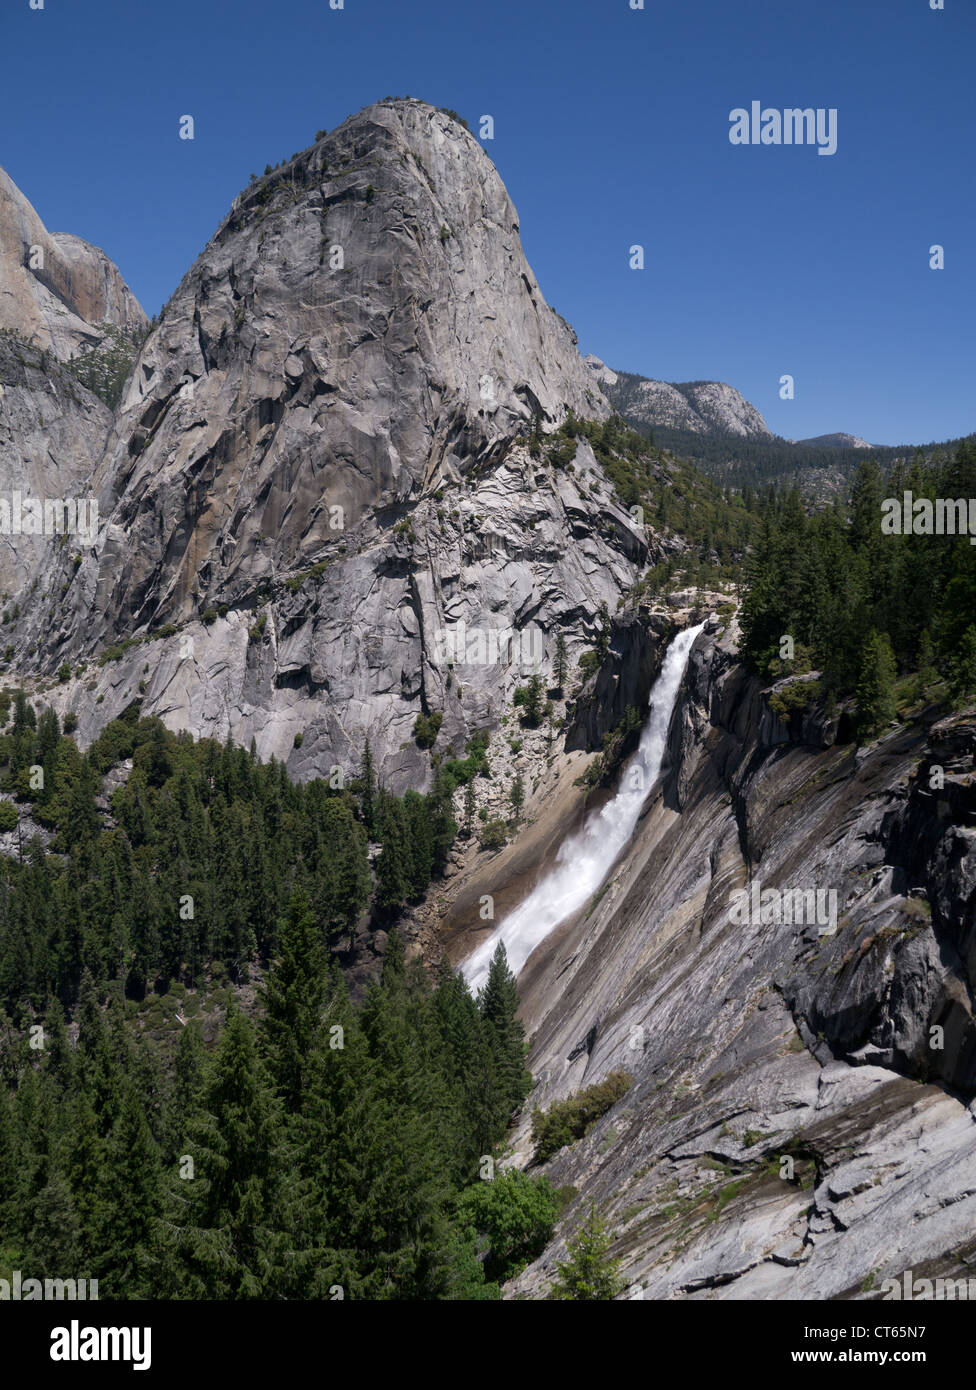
{"x":585,"y":859}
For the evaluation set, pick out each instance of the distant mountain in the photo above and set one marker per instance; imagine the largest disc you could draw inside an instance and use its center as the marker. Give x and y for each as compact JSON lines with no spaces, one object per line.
{"x":834,"y":441}
{"x":715,"y":427}
{"x":700,"y":407}
{"x":56,"y":290}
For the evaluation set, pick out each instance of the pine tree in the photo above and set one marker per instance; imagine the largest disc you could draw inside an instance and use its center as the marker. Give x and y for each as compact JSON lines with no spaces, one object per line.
{"x":504,"y":1035}
{"x":470,"y":806}
{"x":130,"y":1183}
{"x":187,"y":1088}
{"x":516,"y":797}
{"x":83,"y":1155}
{"x":927,"y":674}
{"x":589,"y":1274}
{"x":59,"y":1059}
{"x":53,"y":1238}
{"x":421,"y":842}
{"x":219,"y":1226}
{"x":367,"y":789}
{"x":293,"y":996}
{"x":559,"y":666}
{"x":876,"y":703}
{"x":8,"y":1165}
{"x":394,"y":863}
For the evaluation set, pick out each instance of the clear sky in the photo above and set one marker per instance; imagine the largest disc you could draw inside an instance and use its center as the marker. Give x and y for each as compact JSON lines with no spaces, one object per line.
{"x":611,"y":129}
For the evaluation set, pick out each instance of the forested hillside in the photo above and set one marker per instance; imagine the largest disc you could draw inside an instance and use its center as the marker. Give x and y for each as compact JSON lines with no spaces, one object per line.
{"x":864,"y":607}
{"x":195,"y":859}
{"x":218,"y":1119}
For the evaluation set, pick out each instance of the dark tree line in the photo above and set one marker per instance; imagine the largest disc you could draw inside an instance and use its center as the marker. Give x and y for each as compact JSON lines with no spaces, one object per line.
{"x":862,"y":606}
{"x":192,"y":860}
{"x":319,"y":1150}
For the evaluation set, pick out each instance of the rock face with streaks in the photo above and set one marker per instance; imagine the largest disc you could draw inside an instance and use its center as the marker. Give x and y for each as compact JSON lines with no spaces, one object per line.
{"x":322,"y":463}
{"x":701,"y":407}
{"x":57,"y":293}
{"x":51,"y":428}
{"x":56,"y":289}
{"x":801,"y":1122}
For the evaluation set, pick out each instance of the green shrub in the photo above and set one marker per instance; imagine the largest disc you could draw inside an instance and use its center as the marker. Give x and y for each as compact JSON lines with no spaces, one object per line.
{"x":70,"y":722}
{"x":117,"y":651}
{"x":589,"y":664}
{"x":64,"y":673}
{"x":569,"y":1120}
{"x":209,"y":616}
{"x":8,"y":815}
{"x":531,"y":699}
{"x":516,"y":1214}
{"x":796,"y":695}
{"x":457,"y":772}
{"x":426,"y":728}
{"x":494,"y":835}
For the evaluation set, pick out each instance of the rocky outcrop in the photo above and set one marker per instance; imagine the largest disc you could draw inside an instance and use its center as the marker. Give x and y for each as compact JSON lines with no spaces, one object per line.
{"x":51,"y":429}
{"x":57,"y":293}
{"x":635,"y":649}
{"x":701,"y":407}
{"x":322,"y":465}
{"x":836,"y":441}
{"x":798,"y":1126}
{"x":56,"y":289}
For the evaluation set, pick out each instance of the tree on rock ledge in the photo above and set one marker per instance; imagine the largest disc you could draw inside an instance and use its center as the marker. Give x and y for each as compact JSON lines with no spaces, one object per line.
{"x":589,"y":1275}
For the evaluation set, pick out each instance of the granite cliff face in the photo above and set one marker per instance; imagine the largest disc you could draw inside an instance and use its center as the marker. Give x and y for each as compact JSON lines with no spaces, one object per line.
{"x":57,"y":293}
{"x":56,"y":289}
{"x":50,"y":430}
{"x":796,"y":1129}
{"x":701,"y":407}
{"x":321,"y":463}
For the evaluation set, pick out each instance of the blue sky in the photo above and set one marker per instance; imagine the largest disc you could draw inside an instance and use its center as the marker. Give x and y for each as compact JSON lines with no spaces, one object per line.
{"x":611,"y":129}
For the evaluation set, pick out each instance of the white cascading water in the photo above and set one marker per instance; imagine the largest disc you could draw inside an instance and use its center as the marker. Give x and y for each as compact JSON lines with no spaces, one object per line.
{"x":585,"y":859}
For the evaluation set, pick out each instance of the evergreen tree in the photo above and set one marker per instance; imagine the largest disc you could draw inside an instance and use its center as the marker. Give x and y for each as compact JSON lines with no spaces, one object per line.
{"x":927,"y":674}
{"x":589,"y":1274}
{"x":367,"y":788}
{"x":876,"y":687}
{"x":504,"y":1035}
{"x":470,"y":806}
{"x":53,"y":1239}
{"x":516,"y":797}
{"x":129,"y":1178}
{"x":393,"y":867}
{"x":219,"y":1224}
{"x":559,"y":665}
{"x":187,"y":1088}
{"x":293,"y":997}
